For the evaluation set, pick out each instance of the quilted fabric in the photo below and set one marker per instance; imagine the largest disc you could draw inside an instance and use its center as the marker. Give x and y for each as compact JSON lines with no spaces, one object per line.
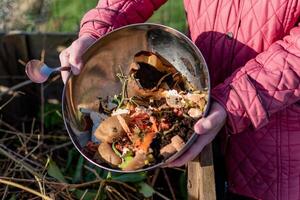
{"x":252,"y":48}
{"x":111,"y":14}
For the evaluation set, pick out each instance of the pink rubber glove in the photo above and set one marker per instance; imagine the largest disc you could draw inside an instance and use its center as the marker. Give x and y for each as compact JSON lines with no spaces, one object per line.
{"x":71,"y":56}
{"x":207,"y":128}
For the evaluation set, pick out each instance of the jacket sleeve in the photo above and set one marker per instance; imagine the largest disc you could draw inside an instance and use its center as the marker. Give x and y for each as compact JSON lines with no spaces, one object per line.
{"x":111,"y":14}
{"x":264,"y":86}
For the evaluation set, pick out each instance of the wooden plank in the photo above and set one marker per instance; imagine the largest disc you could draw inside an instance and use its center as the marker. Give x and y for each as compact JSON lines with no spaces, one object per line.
{"x":201,"y":178}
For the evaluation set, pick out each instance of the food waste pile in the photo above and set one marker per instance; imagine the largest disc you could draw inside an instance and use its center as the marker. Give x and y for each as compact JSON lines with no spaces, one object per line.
{"x":150,"y":120}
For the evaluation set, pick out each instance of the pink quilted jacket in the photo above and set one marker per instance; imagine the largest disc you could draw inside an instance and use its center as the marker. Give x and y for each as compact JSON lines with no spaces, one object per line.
{"x":252,"y":48}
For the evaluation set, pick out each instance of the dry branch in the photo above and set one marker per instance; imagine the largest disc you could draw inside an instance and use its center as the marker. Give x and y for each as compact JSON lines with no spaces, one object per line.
{"x":22,"y":163}
{"x":24,"y":188}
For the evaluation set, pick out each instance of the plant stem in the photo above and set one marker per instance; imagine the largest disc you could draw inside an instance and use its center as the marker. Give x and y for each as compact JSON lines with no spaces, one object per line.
{"x":23,"y":164}
{"x":169,"y":184}
{"x":24,"y":188}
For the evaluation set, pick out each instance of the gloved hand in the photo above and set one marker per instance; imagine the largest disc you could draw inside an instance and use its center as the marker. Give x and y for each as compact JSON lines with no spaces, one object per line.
{"x":207,"y":128}
{"x":71,"y":56}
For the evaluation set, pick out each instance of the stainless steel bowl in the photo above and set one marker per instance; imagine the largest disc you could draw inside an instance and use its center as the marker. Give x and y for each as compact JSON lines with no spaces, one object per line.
{"x":117,"y":49}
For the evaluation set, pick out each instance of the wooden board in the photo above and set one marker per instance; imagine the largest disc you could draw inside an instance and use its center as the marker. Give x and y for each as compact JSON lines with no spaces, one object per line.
{"x":201,"y":178}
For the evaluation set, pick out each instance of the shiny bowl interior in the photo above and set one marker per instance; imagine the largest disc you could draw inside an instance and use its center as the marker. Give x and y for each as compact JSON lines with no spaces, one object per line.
{"x":117,"y":49}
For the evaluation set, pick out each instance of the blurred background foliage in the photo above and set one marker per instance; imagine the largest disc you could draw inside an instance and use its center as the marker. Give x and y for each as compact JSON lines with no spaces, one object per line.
{"x":65,"y":15}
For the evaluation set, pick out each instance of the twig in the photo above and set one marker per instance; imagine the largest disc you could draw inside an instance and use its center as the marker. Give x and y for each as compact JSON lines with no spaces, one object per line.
{"x":178,"y":169}
{"x":84,"y":184}
{"x":32,"y":127}
{"x":69,"y":195}
{"x":34,"y":198}
{"x":70,"y":186}
{"x":124,"y":81}
{"x":161,"y":195}
{"x":19,"y":157}
{"x":98,"y":192}
{"x":24,"y":188}
{"x":93,"y":171}
{"x":113,"y":190}
{"x":25,"y":165}
{"x":49,"y":82}
{"x":43,"y":52}
{"x":12,"y":132}
{"x":22,"y":62}
{"x":54,"y":137}
{"x":123,"y":190}
{"x":42,"y":108}
{"x":40,"y":185}
{"x":60,"y":193}
{"x":109,"y":195}
{"x":5,"y":192}
{"x":33,"y":150}
{"x":169,"y":184}
{"x":43,"y":182}
{"x":32,"y":180}
{"x":156,"y":173}
{"x":109,"y":190}
{"x":28,"y":154}
{"x":8,"y":126}
{"x":2,"y":140}
{"x":122,"y":183}
{"x":15,"y":87}
{"x":133,"y":196}
{"x":8,"y":101}
{"x":84,"y":194}
{"x":20,"y":137}
{"x":61,"y":146}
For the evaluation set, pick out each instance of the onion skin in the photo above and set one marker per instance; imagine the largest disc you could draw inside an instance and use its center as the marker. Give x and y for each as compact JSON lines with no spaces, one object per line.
{"x":176,"y":144}
{"x":109,"y":130}
{"x":106,"y":152}
{"x":167,"y":150}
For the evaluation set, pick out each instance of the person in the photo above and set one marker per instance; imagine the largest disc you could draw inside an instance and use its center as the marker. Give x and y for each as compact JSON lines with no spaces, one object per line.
{"x":252,"y":49}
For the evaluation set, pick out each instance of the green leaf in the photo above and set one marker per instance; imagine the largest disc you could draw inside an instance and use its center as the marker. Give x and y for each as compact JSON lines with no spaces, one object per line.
{"x":78,"y":172}
{"x":90,"y":176}
{"x":71,"y":154}
{"x":102,"y":172}
{"x":130,"y":178}
{"x":145,"y":189}
{"x":90,"y":194}
{"x":52,"y":115}
{"x":109,"y":175}
{"x":126,"y":161}
{"x":13,"y":197}
{"x":55,"y":172}
{"x":182,"y":186}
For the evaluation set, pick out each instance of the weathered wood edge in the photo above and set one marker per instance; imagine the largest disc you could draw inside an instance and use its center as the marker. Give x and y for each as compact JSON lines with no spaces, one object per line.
{"x":201,"y":177}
